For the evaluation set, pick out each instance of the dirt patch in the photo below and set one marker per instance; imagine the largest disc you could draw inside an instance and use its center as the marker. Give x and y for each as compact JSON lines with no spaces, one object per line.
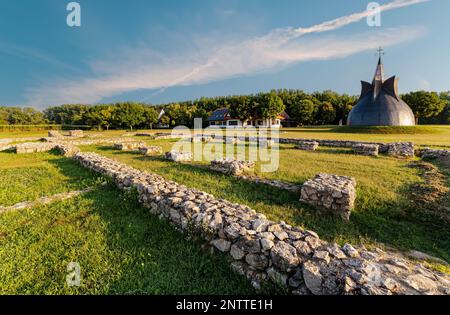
{"x":433,"y":194}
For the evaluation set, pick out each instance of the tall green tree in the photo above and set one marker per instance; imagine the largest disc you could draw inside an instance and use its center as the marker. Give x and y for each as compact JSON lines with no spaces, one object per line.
{"x":270,"y":106}
{"x":303,"y":111}
{"x":128,"y":114}
{"x":424,"y":104}
{"x":326,"y":113}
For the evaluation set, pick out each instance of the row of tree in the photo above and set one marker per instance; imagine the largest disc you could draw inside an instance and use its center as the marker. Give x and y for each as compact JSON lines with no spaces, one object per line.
{"x":21,"y":116}
{"x":318,"y":108}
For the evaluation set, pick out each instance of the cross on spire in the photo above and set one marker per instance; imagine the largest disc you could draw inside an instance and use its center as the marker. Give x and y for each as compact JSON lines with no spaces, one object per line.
{"x":380,"y":52}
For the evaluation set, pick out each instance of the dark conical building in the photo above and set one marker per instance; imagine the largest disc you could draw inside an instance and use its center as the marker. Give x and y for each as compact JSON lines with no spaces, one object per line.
{"x":379,"y":103}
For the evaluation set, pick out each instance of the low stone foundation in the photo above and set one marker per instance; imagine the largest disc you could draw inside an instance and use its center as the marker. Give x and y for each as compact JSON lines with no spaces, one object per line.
{"x":232,"y":167}
{"x":308,"y":145}
{"x":152,"y":150}
{"x":398,"y":149}
{"x":130,"y":146}
{"x":261,"y":250}
{"x":33,"y":147}
{"x":433,"y":154}
{"x":67,"y":150}
{"x":333,"y":192}
{"x":366,"y":149}
{"x":179,"y":156}
{"x":401,"y":149}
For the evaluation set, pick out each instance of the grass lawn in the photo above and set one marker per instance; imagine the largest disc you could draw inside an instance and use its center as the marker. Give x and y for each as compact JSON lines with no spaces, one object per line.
{"x":121,"y":248}
{"x":384,"y":210}
{"x":438,"y":136}
{"x":26,"y":177}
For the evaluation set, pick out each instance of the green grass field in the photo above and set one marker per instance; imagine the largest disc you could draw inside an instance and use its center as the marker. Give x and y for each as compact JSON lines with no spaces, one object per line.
{"x":384,"y":211}
{"x":121,"y":248}
{"x":438,"y":136}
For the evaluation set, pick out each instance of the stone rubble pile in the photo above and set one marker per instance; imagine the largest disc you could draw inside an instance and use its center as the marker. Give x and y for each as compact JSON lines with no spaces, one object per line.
{"x":333,"y":192}
{"x":261,"y":249}
{"x":129,"y":146}
{"x":366,"y":149}
{"x":179,"y":156}
{"x":308,"y":145}
{"x":151,"y":150}
{"x":231,"y":166}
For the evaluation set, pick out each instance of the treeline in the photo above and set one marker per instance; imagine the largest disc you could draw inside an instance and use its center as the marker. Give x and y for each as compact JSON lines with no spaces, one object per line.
{"x":318,"y":108}
{"x":21,"y":116}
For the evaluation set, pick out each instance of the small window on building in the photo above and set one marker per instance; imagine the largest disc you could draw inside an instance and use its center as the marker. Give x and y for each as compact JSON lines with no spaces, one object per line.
{"x":232,"y":123}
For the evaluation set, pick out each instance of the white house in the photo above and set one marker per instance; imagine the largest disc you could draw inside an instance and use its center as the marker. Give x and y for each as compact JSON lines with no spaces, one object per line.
{"x":221,"y":118}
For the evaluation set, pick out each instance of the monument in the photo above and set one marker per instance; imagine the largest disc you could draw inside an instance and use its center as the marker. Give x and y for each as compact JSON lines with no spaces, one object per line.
{"x":380,"y":104}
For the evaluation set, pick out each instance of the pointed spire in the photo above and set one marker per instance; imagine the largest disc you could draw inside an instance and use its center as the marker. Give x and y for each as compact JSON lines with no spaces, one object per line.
{"x":378,"y":78}
{"x":379,"y":72}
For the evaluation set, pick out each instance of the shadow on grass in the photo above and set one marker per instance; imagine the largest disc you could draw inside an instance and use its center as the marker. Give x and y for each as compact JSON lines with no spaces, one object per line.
{"x":159,"y":260}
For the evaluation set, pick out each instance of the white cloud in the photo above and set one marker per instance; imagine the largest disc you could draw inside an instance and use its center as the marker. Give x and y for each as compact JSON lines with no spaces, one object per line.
{"x":142,"y":68}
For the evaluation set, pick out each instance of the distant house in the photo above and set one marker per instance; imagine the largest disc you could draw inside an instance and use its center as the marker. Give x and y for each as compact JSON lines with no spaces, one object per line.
{"x":222,"y":118}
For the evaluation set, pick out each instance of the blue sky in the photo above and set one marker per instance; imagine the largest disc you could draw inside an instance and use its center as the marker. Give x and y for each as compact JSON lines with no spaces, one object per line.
{"x":173,"y":50}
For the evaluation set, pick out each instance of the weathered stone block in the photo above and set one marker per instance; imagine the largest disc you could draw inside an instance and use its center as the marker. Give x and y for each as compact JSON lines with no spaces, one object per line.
{"x":332,"y":192}
{"x":151,"y":150}
{"x":366,"y":149}
{"x":129,"y":146}
{"x":401,"y":149}
{"x":231,"y":166}
{"x":179,"y":156}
